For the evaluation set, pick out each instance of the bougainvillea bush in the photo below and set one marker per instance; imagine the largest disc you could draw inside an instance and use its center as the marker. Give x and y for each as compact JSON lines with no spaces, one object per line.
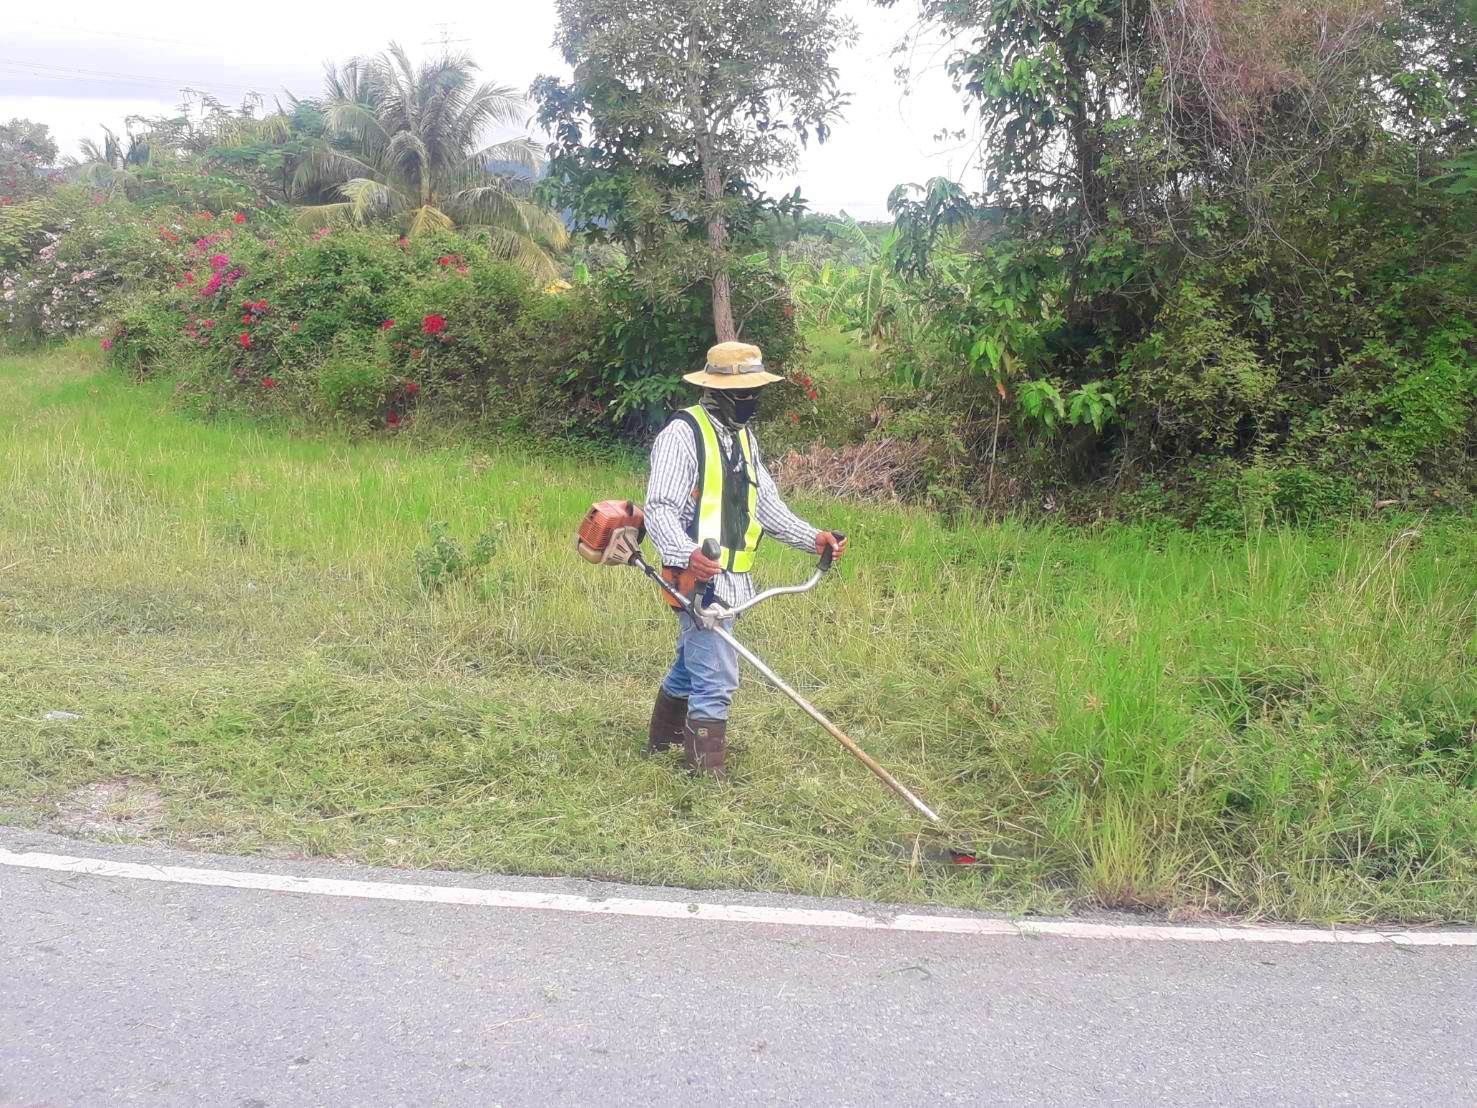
{"x":373,"y":331}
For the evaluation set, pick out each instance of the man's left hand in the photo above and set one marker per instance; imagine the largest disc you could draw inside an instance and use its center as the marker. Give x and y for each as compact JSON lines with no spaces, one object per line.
{"x":826,"y":539}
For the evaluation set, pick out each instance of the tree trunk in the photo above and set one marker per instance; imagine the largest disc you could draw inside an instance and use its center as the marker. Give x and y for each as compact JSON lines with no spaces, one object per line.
{"x":712,"y":189}
{"x":717,"y":239}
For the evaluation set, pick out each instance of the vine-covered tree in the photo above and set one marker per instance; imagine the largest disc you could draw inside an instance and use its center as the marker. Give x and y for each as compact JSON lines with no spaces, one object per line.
{"x":26,"y":147}
{"x":677,"y":107}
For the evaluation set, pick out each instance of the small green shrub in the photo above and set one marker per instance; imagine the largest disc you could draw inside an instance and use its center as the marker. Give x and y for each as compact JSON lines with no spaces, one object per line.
{"x":443,"y":562}
{"x":352,"y":380}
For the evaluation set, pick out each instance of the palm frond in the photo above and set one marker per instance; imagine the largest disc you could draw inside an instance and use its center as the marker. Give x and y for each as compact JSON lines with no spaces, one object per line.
{"x":519,"y":151}
{"x":324,"y":167}
{"x":426,"y":219}
{"x":314,"y":217}
{"x":521,"y":251}
{"x":369,"y":199}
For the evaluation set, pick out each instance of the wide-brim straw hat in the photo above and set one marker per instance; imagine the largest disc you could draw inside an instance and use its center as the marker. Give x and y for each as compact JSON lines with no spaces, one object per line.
{"x":733,"y":365}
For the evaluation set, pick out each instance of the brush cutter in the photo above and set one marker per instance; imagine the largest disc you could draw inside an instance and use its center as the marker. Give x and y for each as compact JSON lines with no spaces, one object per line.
{"x":611,"y":534}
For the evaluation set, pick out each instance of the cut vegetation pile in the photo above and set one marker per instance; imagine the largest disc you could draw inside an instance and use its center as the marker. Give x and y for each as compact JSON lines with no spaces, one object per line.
{"x":264,"y":632}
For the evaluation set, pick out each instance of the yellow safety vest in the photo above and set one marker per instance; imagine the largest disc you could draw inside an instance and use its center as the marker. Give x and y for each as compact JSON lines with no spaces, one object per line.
{"x":735,"y":527}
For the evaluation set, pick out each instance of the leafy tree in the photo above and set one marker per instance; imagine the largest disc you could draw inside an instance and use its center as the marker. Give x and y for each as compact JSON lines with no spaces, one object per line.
{"x":405,"y":142}
{"x":1210,"y":227}
{"x":25,"y":148}
{"x":677,"y":107}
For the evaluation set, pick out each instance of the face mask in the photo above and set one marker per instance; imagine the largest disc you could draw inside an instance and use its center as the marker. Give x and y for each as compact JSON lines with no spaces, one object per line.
{"x":728,"y":410}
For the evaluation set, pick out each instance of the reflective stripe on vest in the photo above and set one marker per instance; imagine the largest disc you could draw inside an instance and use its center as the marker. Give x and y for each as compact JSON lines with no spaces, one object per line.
{"x":707,"y":521}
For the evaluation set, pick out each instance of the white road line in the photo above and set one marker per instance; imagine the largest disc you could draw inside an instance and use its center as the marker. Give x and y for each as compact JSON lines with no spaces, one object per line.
{"x":722,"y":913}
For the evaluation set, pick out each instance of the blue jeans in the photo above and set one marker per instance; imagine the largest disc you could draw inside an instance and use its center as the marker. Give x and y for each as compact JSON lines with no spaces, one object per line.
{"x":705,"y":672}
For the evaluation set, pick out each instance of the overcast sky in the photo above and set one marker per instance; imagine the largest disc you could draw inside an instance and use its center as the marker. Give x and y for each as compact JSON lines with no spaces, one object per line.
{"x":97,"y":62}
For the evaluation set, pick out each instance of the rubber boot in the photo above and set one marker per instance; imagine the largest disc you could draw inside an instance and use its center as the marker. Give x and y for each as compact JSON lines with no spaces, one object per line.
{"x":668,"y":722}
{"x":703,"y":742}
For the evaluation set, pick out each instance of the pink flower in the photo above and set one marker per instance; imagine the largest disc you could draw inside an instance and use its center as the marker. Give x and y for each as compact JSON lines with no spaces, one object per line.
{"x":433,"y":324}
{"x":387,"y":324}
{"x":245,"y":341}
{"x":268,"y":383}
{"x":107,"y":344}
{"x":207,"y":323}
{"x":219,"y":261}
{"x":241,"y":218}
{"x":411,"y":388}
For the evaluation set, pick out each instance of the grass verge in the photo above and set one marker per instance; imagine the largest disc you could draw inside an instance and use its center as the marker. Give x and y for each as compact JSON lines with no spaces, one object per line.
{"x":1281,"y":726}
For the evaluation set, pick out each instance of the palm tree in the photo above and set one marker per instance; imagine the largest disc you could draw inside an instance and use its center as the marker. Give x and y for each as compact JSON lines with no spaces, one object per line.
{"x":110,"y":164}
{"x":405,"y":143}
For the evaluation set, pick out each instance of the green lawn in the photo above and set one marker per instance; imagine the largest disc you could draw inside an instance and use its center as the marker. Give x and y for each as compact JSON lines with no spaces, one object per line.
{"x":1278,"y":726}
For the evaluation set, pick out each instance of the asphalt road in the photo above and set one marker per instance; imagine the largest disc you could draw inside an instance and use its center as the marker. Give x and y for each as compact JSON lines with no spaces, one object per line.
{"x":116,"y":991}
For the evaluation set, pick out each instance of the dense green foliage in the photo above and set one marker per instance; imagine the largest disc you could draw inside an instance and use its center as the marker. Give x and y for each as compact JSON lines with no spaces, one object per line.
{"x":1216,"y":231}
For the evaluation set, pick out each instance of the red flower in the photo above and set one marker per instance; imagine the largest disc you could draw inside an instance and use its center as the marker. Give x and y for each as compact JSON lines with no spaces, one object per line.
{"x":813,"y":394}
{"x":268,"y":383}
{"x":207,"y":323}
{"x":404,"y":242}
{"x":444,"y":260}
{"x":387,"y":324}
{"x":411,"y":388}
{"x":107,"y":344}
{"x":293,"y":328}
{"x":794,"y":417}
{"x":190,"y":277}
{"x":433,"y":324}
{"x":245,"y":341}
{"x":246,"y":319}
{"x":392,"y":420}
{"x":241,"y":218}
{"x":166,"y":233}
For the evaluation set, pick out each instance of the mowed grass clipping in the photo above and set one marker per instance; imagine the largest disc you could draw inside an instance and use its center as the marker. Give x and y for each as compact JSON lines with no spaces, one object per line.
{"x":1278,"y":726}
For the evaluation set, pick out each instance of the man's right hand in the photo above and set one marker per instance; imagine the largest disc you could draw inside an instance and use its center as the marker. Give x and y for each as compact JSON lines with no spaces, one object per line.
{"x":703,"y":567}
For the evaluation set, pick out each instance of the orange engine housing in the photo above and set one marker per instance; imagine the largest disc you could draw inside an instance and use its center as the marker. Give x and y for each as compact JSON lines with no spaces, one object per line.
{"x":602,"y":522}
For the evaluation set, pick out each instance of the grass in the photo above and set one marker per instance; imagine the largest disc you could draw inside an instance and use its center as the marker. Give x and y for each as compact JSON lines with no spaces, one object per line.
{"x":1280,"y":726}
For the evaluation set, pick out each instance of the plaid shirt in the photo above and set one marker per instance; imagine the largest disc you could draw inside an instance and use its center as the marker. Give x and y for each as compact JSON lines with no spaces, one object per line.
{"x":670,"y":506}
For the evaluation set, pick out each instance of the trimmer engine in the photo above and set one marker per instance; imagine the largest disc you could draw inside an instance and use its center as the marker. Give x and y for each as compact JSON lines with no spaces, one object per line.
{"x":611,"y":533}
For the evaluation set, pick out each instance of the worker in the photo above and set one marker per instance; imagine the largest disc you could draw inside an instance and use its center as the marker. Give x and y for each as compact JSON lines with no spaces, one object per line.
{"x":708,"y":481}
